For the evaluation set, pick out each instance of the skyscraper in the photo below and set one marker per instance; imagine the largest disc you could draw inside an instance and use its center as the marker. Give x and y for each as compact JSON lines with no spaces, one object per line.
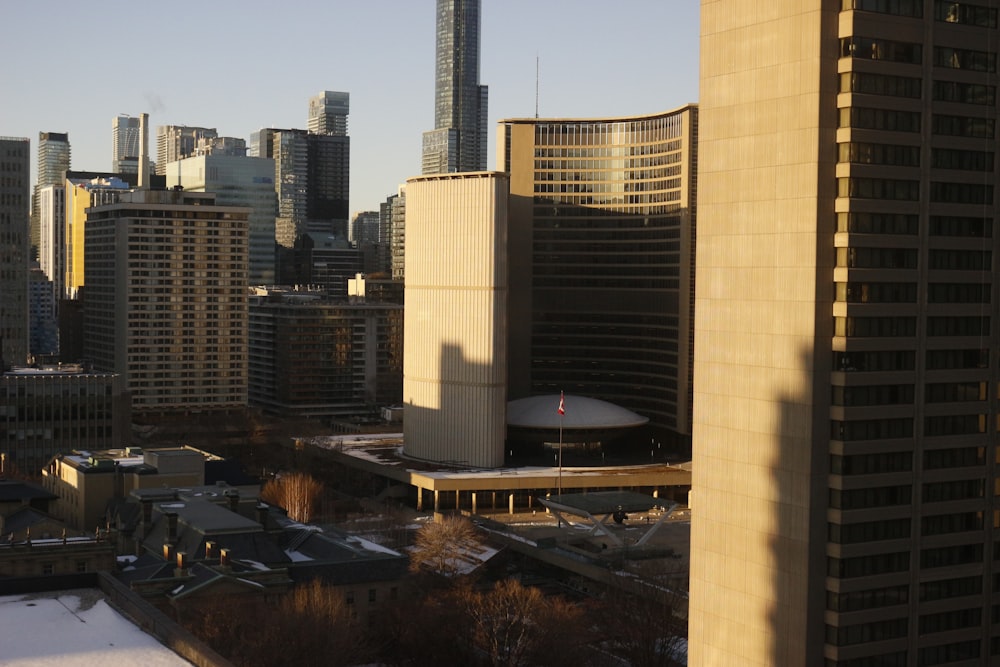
{"x":845,"y":507}
{"x":176,"y":142}
{"x":602,"y":238}
{"x":237,"y":181}
{"x":15,"y":175}
{"x":166,"y":299}
{"x":53,"y":161}
{"x":328,"y":113}
{"x":455,"y":323}
{"x":125,"y":144}
{"x":458,"y":142}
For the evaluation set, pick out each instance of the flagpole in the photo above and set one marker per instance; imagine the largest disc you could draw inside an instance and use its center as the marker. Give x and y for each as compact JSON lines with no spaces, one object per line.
{"x":562,"y":411}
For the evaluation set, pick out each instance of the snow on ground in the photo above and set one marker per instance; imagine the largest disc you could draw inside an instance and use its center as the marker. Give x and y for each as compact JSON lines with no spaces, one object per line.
{"x":74,"y":629}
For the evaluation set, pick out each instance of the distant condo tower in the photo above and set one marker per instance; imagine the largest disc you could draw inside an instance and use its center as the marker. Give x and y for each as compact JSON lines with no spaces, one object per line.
{"x":458,"y":142}
{"x":846,"y":480}
{"x":15,"y":171}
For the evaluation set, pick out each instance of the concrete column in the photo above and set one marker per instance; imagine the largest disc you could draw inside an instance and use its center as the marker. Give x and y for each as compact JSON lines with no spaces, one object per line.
{"x":458,"y":499}
{"x":511,"y":503}
{"x":656,"y":493}
{"x":474,"y":502}
{"x":437,"y":501}
{"x":494,"y":501}
{"x":420,"y":499}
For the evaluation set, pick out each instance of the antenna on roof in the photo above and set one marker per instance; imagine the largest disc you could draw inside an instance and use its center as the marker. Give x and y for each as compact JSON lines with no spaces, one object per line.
{"x":536,"y":85}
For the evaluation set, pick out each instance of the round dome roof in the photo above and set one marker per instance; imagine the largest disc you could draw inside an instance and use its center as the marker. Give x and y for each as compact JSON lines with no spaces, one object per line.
{"x":542,"y":412}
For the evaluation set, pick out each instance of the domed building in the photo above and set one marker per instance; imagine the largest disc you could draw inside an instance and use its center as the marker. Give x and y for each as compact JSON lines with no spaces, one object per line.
{"x":585,"y":422}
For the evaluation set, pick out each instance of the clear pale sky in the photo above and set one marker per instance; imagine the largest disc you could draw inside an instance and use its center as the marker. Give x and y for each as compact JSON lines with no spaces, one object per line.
{"x":239,"y":65}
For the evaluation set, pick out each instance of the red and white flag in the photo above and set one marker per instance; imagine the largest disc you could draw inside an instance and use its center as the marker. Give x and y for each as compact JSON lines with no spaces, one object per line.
{"x":562,"y":404}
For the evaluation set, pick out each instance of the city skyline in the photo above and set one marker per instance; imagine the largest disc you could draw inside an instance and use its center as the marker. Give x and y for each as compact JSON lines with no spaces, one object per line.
{"x":591,"y":64}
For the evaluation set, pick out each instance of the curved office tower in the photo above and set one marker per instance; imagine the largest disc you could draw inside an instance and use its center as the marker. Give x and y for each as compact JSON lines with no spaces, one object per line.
{"x":455,"y":328}
{"x":602,"y":229}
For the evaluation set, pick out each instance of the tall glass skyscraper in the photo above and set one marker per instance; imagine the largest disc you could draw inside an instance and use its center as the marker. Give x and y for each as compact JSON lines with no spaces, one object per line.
{"x":458,"y":142}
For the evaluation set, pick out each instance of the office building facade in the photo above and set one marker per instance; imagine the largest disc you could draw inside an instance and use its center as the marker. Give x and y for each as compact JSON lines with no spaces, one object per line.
{"x":82,"y":191}
{"x":47,"y":410}
{"x":455,"y":329}
{"x":601,"y":238}
{"x":328,"y":113}
{"x":176,"y":142}
{"x":15,"y":199}
{"x":846,"y":376}
{"x":458,"y":140}
{"x":53,"y":161}
{"x":125,"y":139}
{"x":313,"y":355}
{"x":166,"y":299}
{"x":237,"y":181}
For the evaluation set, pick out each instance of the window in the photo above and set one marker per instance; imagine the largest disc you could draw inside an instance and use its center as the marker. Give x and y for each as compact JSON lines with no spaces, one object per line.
{"x":872,"y":48}
{"x":961,"y":193}
{"x":883,"y":496}
{"x":880,"y":84}
{"x":857,"y":292}
{"x":958,"y":293}
{"x":888,"y":154}
{"x":866,"y":464}
{"x":976,"y":61}
{"x":951,"y":158}
{"x":879,"y":188}
{"x":950,"y":620}
{"x":862,"y":633}
{"x":965,"y":12}
{"x":372,"y":595}
{"x":963,"y":489}
{"x":893,"y":394}
{"x":894,"y":659}
{"x":955,"y":392}
{"x":877,"y":223}
{"x":868,"y":531}
{"x":962,"y":126}
{"x":939,"y":655}
{"x":871,"y":429}
{"x":950,"y":588}
{"x":869,"y":599}
{"x":967,"y":93}
{"x":963,"y":226}
{"x":962,"y":554}
{"x":866,"y":327}
{"x":898,"y":360}
{"x":880,"y":119}
{"x":877,"y":258}
{"x":954,"y":425}
{"x":957,"y":359}
{"x":898,"y":7}
{"x":867,"y":566}
{"x":958,"y":326}
{"x":945,"y":524}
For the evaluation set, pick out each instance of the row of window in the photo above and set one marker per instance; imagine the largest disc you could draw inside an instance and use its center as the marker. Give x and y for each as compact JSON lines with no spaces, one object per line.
{"x":891,"y":462}
{"x":894,"y":189}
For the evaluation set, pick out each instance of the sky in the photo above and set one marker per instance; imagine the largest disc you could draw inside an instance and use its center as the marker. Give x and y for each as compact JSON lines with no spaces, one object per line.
{"x":240,"y":65}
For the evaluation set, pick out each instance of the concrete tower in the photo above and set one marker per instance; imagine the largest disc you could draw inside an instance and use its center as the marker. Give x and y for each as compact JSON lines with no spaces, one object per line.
{"x":844,"y":506}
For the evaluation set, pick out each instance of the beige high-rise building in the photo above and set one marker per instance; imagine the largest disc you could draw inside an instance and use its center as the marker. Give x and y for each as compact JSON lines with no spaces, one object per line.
{"x":165,"y":303}
{"x":845,"y":508}
{"x":455,"y":324}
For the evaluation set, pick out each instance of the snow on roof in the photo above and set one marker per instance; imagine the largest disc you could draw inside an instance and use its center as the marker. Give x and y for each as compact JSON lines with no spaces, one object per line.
{"x":80,"y":630}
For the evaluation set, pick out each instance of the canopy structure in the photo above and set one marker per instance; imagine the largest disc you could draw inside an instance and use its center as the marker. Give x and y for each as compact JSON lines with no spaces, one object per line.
{"x":607,"y":505}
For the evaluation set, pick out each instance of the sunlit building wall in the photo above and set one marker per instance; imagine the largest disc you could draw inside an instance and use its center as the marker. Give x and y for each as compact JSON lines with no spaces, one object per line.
{"x":455,"y":331}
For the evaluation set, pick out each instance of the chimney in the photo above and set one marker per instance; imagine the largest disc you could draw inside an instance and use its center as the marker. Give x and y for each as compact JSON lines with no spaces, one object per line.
{"x":168,"y":551}
{"x":142,"y":182}
{"x":182,"y":564}
{"x":172,"y":526}
{"x":209,"y":550}
{"x":234,"y":500}
{"x":262,"y":514}
{"x":224,"y":557}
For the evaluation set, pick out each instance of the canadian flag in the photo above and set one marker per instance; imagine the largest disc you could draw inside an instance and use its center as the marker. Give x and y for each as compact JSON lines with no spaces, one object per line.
{"x":562,"y":404}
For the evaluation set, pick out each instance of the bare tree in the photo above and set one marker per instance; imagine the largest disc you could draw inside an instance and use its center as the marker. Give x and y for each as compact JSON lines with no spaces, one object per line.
{"x":296,"y":492}
{"x":441,"y":546}
{"x":504,"y":622}
{"x":643,"y":621}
